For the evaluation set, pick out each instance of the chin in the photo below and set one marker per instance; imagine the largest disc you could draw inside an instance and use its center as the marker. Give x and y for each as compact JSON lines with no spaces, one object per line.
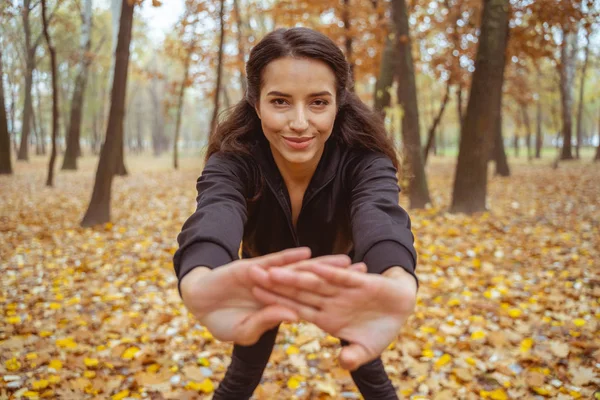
{"x":298,"y":158}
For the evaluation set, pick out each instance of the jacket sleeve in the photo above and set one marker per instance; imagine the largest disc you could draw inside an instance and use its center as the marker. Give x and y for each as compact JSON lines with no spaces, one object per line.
{"x":380,"y":227}
{"x":211,"y":236}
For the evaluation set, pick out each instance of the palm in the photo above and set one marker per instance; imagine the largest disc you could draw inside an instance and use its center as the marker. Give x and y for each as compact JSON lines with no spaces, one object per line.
{"x":222,"y":299}
{"x":366,"y":310}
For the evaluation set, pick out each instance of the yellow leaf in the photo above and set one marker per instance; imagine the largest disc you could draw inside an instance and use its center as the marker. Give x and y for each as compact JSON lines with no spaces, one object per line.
{"x":541,"y":390}
{"x":31,"y":356}
{"x":121,"y":395}
{"x":31,"y":395}
{"x":294,"y":381}
{"x":54,"y":379}
{"x":292,"y":350}
{"x":45,"y":333}
{"x":470,"y":361}
{"x":453,"y":302}
{"x":90,"y":362}
{"x":526,"y":345}
{"x":13,"y":320}
{"x":55,"y":364}
{"x":477,"y":335}
{"x":498,"y":394}
{"x":153,"y":368}
{"x":41,"y":384}
{"x":579,"y":322}
{"x":130,"y":353}
{"x":89,"y":374}
{"x":66,"y":343}
{"x":12,"y":364}
{"x":427,"y":353}
{"x":443,"y":360}
{"x":515,"y":312}
{"x":428,"y":329}
{"x":206,"y":386}
{"x":55,"y":306}
{"x":203,"y":361}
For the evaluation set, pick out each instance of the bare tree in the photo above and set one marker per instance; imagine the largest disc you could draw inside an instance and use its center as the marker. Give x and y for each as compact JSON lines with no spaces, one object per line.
{"x":213,"y":122}
{"x":568,"y":49}
{"x":418,"y":191}
{"x":5,"y":161}
{"x":98,"y":211}
{"x":52,"y":50}
{"x":470,"y":182}
{"x":73,"y":136}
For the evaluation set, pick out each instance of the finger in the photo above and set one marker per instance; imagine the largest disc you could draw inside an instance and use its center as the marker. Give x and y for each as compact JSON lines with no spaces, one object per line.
{"x":251,"y":329}
{"x":283,"y":278}
{"x":337,"y":276}
{"x":336,"y":260}
{"x":283,"y":257}
{"x":358,"y":267}
{"x":303,"y":311}
{"x":353,"y":356}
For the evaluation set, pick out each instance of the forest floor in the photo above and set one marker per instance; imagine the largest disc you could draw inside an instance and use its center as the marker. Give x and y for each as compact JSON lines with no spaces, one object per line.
{"x":508,"y":305}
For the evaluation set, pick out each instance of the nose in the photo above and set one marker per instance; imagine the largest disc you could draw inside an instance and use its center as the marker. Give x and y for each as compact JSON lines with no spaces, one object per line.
{"x":299,"y":122}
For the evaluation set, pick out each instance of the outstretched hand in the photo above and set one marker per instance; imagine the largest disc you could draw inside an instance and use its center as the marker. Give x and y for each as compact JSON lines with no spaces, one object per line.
{"x":222,"y":300}
{"x":367,"y":310}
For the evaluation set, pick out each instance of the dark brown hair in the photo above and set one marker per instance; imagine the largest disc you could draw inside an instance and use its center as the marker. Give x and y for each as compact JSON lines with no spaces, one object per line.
{"x":356,"y":125}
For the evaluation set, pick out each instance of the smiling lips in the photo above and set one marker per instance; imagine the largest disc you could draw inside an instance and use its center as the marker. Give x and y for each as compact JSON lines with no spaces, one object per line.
{"x":298,"y":143}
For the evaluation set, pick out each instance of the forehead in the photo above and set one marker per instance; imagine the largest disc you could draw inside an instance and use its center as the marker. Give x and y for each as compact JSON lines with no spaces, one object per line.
{"x":297,"y":76}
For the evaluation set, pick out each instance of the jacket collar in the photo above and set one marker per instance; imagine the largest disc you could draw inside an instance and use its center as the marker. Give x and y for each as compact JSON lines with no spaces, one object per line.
{"x":326,"y":169}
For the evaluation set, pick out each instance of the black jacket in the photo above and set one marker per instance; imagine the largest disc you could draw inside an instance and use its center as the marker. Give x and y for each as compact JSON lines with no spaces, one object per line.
{"x":350,"y":207}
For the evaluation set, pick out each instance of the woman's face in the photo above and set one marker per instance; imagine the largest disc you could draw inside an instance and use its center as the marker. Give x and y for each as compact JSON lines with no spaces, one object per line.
{"x":297,"y":109}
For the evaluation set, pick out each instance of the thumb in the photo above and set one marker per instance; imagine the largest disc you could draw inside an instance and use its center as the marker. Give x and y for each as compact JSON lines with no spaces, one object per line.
{"x":251,"y":329}
{"x":353,"y":356}
{"x":358,"y":267}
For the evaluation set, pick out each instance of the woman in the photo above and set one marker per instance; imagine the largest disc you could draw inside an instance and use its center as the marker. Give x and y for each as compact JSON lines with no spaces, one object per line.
{"x":301,"y":173}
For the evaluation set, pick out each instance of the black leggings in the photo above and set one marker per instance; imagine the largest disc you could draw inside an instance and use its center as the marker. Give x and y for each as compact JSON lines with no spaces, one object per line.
{"x":249,"y":362}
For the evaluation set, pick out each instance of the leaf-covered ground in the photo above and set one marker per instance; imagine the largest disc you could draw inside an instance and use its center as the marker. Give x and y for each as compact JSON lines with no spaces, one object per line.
{"x":508,"y":304}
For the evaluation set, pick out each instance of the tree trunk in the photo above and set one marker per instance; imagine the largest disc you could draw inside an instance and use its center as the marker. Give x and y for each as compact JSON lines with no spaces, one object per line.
{"x":348,"y":39}
{"x":382,"y":97}
{"x":499,"y":156}
{"x":240,"y":43}
{"x":29,"y":67}
{"x":184,"y":79}
{"x":407,"y":97}
{"x":5,"y":160}
{"x":527,"y":124}
{"x":436,"y":122}
{"x":567,"y":77}
{"x":73,"y":137}
{"x":597,"y":158}
{"x":581,"y":92}
{"x":483,"y":110}
{"x":214,"y":120}
{"x":98,"y":211}
{"x":50,"y":181}
{"x":538,"y":132}
{"x":459,"y":106}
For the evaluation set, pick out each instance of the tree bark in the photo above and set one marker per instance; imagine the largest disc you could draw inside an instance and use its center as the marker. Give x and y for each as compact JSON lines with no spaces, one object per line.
{"x":567,"y":77}
{"x":382,"y":97}
{"x":73,"y":137}
{"x":581,"y":92}
{"x":98,"y":211}
{"x":459,"y":106}
{"x":436,"y":122}
{"x":23,"y":154}
{"x":407,"y":97}
{"x":240,"y":43}
{"x":485,"y":101}
{"x":348,"y":39}
{"x":5,"y":159}
{"x":499,"y":156}
{"x":50,"y":180}
{"x":214,"y":120}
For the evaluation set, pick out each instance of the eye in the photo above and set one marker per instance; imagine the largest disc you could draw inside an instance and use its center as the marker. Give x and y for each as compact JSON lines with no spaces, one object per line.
{"x":278,"y":102}
{"x":320,"y":102}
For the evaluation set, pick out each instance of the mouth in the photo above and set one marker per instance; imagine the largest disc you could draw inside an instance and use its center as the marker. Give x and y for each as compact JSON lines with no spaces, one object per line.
{"x":298,"y":143}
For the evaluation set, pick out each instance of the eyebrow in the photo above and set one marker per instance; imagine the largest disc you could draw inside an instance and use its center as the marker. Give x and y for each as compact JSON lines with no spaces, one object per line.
{"x":276,"y":93}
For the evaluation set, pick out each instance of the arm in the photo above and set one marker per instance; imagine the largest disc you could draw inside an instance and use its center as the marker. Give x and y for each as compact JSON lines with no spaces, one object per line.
{"x":212,"y":234}
{"x":381,"y":229}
